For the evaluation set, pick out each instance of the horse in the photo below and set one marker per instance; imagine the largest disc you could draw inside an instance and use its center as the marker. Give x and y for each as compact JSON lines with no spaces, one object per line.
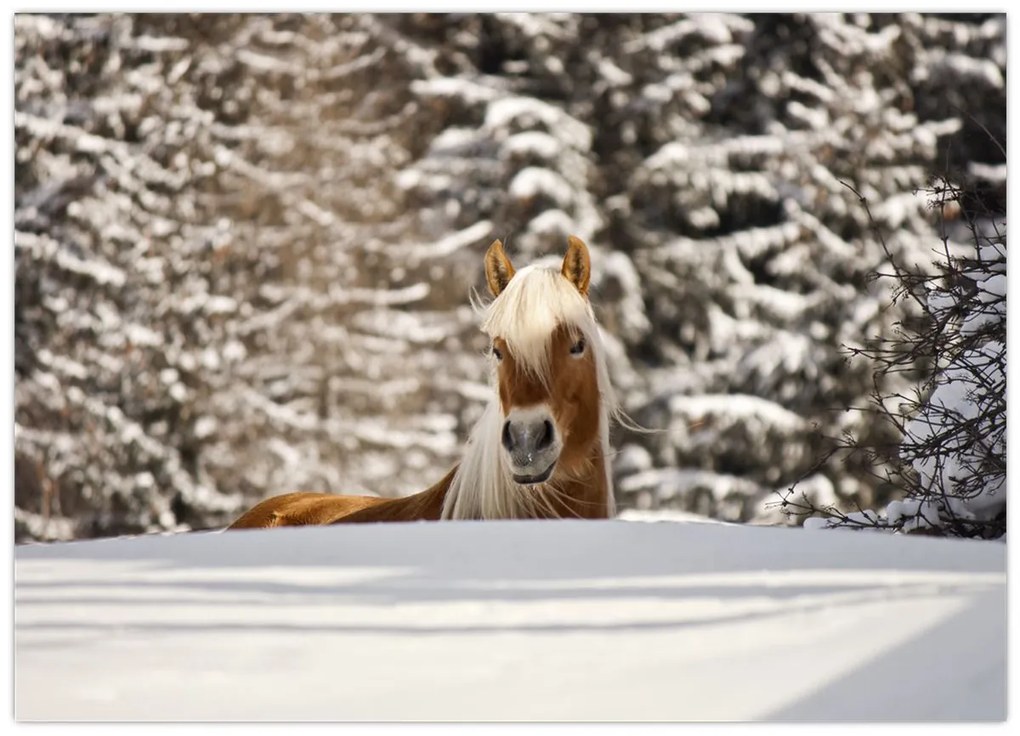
{"x":540,"y":448}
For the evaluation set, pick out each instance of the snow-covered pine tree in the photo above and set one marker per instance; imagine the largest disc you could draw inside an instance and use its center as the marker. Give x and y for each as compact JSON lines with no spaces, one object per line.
{"x":757,"y":260}
{"x":206,"y":313}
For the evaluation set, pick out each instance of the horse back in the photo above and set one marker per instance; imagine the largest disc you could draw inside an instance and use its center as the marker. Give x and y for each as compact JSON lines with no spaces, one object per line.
{"x":302,"y":508}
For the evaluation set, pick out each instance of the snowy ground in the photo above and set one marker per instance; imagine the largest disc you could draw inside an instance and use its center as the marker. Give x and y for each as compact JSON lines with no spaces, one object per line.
{"x":544,"y":621}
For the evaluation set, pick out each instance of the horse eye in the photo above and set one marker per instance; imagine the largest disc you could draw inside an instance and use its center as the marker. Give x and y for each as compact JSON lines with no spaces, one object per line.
{"x":497,"y":353}
{"x":578,"y":347}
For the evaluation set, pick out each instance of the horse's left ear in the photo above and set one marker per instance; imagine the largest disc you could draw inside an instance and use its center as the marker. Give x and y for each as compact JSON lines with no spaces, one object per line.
{"x":577,"y":264}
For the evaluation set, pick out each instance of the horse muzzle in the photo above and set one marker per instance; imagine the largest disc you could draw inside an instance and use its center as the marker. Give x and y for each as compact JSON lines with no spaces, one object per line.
{"x":532,"y":445}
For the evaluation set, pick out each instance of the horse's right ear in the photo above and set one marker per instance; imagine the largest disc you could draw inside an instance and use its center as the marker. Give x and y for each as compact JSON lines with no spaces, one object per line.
{"x":498,"y":269}
{"x":577,"y":264}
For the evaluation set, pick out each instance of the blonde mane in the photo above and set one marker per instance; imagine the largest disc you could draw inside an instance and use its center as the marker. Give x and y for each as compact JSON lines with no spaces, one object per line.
{"x":534,"y":303}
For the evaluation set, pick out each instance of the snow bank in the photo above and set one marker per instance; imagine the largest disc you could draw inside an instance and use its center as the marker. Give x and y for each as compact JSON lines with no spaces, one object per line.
{"x":512,"y":621}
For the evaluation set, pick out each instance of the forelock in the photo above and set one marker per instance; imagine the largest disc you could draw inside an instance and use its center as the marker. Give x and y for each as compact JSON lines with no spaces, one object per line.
{"x":527,"y":312}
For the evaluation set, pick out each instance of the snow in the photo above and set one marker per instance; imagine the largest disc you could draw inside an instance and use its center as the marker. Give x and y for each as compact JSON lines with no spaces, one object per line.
{"x":546,"y":621}
{"x":532,"y":181}
{"x":973,"y":70}
{"x":676,"y":481}
{"x":455,"y":87}
{"x":743,"y":407}
{"x":714,"y":26}
{"x":457,"y":241}
{"x":537,"y":143}
{"x":502,"y":113}
{"x":42,"y":247}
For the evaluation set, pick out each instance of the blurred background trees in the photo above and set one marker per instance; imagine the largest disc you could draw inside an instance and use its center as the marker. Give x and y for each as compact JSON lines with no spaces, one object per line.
{"x":245,"y":243}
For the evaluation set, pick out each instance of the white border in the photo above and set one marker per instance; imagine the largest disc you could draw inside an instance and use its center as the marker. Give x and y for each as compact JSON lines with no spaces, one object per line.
{"x":7,"y":341}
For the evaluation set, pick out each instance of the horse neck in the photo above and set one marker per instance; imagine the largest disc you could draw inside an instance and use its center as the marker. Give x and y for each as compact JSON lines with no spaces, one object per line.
{"x":587,"y":495}
{"x":426,"y":505}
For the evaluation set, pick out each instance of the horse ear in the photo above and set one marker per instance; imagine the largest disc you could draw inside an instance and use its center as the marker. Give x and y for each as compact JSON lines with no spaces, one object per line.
{"x":577,"y":264}
{"x":498,"y":269}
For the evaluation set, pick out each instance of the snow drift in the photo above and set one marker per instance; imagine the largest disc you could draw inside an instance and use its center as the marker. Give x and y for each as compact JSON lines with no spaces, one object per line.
{"x":518,"y":621}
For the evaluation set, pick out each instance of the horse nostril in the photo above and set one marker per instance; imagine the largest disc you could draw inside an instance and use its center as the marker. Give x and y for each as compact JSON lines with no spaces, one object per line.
{"x":546,"y":438}
{"x":508,"y":441}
